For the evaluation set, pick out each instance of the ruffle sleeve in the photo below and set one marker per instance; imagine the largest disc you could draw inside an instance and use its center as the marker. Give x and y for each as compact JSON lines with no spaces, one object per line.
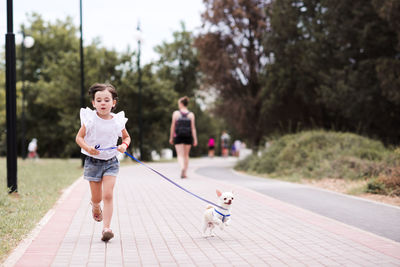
{"x":120,"y":121}
{"x":87,"y":117}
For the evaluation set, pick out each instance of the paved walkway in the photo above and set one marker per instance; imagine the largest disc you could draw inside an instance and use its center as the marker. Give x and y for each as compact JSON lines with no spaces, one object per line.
{"x":371,"y":216}
{"x":157,"y":224}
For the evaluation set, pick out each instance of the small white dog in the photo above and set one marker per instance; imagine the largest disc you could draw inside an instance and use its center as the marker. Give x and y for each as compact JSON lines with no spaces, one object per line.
{"x":216,"y":216}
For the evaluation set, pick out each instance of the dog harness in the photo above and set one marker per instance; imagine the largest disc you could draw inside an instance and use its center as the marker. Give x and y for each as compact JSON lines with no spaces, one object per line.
{"x":223,"y":215}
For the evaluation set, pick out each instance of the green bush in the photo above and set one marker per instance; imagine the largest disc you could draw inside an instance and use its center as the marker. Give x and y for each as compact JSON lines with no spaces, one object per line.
{"x":390,"y":179}
{"x":322,"y":154}
{"x":376,"y":187}
{"x":245,"y":163}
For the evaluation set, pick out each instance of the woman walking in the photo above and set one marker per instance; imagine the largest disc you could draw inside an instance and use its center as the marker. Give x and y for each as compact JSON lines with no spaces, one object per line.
{"x":183,"y":133}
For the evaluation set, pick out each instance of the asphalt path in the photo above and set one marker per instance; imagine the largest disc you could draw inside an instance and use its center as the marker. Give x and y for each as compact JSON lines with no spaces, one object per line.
{"x":371,"y":216}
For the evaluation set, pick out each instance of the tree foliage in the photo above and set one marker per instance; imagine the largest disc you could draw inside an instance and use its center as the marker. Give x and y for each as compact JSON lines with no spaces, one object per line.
{"x":52,"y":68}
{"x":335,"y":67}
{"x":287,"y":65}
{"x":52,"y":74}
{"x":178,"y":63}
{"x":277,"y":66}
{"x":232,"y":58}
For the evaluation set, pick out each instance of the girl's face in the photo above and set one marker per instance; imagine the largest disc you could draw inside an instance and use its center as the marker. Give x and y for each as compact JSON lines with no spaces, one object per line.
{"x":103,"y":103}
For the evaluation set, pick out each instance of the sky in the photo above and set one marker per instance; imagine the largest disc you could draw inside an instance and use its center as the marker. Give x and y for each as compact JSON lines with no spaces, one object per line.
{"x":114,"y":21}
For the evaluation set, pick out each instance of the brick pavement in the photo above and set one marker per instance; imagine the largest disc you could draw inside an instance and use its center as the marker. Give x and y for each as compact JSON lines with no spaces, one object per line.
{"x":157,"y":224}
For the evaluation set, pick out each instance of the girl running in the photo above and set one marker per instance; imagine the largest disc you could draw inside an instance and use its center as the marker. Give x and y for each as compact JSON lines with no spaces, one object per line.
{"x":100,"y":129}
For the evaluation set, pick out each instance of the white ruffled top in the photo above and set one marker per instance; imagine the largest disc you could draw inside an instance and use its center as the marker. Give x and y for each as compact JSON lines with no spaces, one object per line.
{"x":102,"y":132}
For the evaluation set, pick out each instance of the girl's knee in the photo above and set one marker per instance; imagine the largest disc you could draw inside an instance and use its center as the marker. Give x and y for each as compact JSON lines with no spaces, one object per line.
{"x":108,"y":197}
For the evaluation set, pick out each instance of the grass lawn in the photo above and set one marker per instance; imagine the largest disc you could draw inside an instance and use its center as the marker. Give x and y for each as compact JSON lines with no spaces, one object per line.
{"x":40,"y":184}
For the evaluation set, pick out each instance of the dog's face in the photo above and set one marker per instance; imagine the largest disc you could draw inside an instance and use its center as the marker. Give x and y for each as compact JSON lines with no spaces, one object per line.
{"x":226,"y":197}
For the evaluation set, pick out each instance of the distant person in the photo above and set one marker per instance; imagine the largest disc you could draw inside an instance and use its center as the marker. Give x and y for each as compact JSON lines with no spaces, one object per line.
{"x":237,"y":144}
{"x":233,"y":150}
{"x":183,"y":133}
{"x":225,"y":143}
{"x":97,"y":137}
{"x":32,"y":149}
{"x":211,"y":147}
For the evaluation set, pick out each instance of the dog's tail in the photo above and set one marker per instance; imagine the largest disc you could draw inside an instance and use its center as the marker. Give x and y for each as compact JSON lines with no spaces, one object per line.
{"x":209,"y":207}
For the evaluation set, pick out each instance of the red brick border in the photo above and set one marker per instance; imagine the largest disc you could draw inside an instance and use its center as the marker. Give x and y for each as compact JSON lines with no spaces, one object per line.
{"x":44,"y":247}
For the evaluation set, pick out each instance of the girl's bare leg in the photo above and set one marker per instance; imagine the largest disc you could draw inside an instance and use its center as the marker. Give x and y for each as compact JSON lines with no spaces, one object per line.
{"x":108,"y":190}
{"x":96,"y":190}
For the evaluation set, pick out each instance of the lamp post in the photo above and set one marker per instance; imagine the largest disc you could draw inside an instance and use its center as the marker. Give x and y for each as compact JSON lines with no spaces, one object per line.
{"x":27,"y":42}
{"x":139,"y":38}
{"x":82,"y":71}
{"x":11,"y":103}
{"x":81,"y":57}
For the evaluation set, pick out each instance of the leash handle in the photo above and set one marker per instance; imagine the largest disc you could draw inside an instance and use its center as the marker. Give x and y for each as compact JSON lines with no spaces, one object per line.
{"x":108,"y":148}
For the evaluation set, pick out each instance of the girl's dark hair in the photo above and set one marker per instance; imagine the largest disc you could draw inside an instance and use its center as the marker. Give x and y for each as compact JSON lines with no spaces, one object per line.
{"x":97,"y":87}
{"x":184,"y":100}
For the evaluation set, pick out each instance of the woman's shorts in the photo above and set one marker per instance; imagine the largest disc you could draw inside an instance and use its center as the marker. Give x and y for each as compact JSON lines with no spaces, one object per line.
{"x":211,"y":148}
{"x":183,"y":140}
{"x":95,"y":169}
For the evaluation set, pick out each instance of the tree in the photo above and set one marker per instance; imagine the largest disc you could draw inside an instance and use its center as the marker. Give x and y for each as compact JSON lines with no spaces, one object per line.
{"x":157,"y":101}
{"x":362,"y":46}
{"x":388,"y":69}
{"x":178,"y":62}
{"x":232,"y":58}
{"x":53,"y":91}
{"x":334,"y":67}
{"x":296,"y":48}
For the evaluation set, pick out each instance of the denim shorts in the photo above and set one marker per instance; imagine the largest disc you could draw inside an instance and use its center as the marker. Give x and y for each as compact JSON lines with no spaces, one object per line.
{"x":95,"y":169}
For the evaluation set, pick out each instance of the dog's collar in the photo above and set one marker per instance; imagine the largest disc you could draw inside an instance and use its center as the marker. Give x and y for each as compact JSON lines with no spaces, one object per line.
{"x":223,"y":215}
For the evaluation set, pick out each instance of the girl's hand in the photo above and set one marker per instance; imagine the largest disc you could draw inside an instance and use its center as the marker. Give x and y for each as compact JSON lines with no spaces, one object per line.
{"x":122,"y":148}
{"x":171,"y":140}
{"x":93,"y":151}
{"x":195,"y":142}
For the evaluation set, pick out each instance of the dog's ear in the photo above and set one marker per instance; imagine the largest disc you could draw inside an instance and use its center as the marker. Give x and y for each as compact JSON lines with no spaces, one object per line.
{"x":218,"y":193}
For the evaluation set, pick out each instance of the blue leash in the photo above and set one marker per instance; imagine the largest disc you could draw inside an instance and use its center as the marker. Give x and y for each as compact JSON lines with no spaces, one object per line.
{"x":162,"y":175}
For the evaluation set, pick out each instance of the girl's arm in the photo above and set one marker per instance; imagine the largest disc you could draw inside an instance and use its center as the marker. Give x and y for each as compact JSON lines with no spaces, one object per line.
{"x":171,"y":134}
{"x":126,"y":140}
{"x":81,"y":142}
{"x":194,"y":132}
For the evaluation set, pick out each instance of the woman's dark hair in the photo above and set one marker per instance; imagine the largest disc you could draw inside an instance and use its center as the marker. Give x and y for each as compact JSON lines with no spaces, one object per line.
{"x":184,"y":100}
{"x":97,"y":87}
